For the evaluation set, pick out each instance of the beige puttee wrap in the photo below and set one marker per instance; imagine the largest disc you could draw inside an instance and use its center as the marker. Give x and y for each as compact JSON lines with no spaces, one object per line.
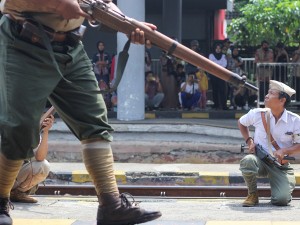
{"x":9,"y":170}
{"x":98,"y":160}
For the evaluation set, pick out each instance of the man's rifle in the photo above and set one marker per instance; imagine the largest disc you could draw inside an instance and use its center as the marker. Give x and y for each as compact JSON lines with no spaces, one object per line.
{"x":105,"y":15}
{"x":266,"y":157}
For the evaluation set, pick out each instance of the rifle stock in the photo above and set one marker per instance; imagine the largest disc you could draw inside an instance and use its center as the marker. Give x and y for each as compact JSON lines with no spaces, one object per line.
{"x":103,"y":13}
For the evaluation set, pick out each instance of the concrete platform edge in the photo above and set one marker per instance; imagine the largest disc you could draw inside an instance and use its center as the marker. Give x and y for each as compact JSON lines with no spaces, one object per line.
{"x":197,"y":178}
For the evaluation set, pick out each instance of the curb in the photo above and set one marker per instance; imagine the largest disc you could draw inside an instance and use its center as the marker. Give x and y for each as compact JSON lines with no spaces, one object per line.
{"x":163,"y":178}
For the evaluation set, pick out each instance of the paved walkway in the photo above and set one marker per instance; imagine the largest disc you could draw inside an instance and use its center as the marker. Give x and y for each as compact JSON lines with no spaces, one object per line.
{"x":70,"y":210}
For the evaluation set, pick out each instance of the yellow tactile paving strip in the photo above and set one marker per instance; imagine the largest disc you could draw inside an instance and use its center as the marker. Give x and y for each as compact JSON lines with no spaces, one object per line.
{"x":210,"y":178}
{"x":195,"y":115}
{"x":297,"y":175}
{"x":252,"y":223}
{"x":215,"y":178}
{"x":150,"y":116}
{"x":82,"y":176}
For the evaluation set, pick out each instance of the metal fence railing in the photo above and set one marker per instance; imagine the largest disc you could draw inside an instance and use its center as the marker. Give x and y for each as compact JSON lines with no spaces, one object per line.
{"x":249,"y":68}
{"x":288,"y":73}
{"x":261,"y":73}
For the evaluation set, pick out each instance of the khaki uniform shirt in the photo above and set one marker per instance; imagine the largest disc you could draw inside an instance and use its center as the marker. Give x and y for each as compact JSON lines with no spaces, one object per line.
{"x":42,"y":15}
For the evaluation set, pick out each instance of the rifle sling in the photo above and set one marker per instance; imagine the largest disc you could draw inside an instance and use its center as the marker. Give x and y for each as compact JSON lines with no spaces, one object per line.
{"x":273,"y":142}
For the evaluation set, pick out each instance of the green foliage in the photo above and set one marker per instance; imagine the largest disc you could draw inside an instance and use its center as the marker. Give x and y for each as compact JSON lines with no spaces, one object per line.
{"x":271,"y":20}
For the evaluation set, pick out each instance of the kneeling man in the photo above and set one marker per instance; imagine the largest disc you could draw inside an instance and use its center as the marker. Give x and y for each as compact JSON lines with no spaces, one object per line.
{"x":277,"y":131}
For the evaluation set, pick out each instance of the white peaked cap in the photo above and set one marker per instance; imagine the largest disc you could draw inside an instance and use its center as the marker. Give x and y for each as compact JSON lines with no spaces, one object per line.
{"x":276,"y":85}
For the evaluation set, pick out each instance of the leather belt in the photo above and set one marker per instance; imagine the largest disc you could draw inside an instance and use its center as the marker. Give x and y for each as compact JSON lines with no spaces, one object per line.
{"x":31,"y":30}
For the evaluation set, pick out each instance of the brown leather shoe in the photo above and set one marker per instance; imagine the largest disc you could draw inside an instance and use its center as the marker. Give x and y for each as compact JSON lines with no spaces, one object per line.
{"x":5,"y":205}
{"x":18,"y":196}
{"x":251,"y":200}
{"x":117,"y":210}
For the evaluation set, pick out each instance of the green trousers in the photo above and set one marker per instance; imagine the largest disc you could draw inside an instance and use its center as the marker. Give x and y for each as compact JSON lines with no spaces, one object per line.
{"x":282,"y":181}
{"x":28,"y":77}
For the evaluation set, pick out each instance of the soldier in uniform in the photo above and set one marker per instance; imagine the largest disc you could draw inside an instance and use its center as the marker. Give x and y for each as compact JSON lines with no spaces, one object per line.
{"x":284,"y":131}
{"x":41,"y":56}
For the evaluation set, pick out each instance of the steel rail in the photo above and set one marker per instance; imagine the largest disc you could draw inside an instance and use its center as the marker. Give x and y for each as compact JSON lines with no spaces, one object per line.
{"x":161,"y":191}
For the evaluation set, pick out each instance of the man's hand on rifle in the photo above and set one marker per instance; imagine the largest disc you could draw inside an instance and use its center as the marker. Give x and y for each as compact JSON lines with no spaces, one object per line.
{"x":251,"y":146}
{"x":279,"y":154}
{"x":138,"y":36}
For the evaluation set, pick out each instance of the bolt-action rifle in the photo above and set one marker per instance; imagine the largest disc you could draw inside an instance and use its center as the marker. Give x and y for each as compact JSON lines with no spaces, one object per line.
{"x":266,"y":157}
{"x":104,"y":14}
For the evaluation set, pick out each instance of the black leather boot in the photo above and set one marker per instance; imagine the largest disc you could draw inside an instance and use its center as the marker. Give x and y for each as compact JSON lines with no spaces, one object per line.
{"x":117,"y":210}
{"x":5,"y":205}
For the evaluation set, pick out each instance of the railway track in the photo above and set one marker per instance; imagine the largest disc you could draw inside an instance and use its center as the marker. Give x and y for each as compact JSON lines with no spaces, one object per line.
{"x":162,"y":191}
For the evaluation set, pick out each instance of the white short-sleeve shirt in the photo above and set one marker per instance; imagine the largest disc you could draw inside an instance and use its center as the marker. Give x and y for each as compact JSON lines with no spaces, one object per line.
{"x":286,"y":131}
{"x":190,"y":89}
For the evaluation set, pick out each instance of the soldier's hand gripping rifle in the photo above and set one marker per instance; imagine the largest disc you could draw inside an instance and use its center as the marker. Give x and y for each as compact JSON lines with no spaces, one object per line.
{"x":266,"y":157}
{"x":104,"y":14}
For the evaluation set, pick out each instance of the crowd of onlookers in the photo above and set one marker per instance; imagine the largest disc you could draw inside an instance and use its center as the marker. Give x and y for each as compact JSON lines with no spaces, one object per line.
{"x":279,"y":55}
{"x":182,"y":85}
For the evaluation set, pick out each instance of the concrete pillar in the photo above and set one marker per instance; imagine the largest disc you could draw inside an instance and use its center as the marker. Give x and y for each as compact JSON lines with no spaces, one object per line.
{"x":131,"y":90}
{"x":172,"y":18}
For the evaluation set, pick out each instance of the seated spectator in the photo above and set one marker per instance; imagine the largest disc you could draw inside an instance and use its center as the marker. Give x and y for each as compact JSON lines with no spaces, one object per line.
{"x":244,"y":98}
{"x":251,"y":98}
{"x":189,"y":95}
{"x":153,"y":92}
{"x":240,"y":98}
